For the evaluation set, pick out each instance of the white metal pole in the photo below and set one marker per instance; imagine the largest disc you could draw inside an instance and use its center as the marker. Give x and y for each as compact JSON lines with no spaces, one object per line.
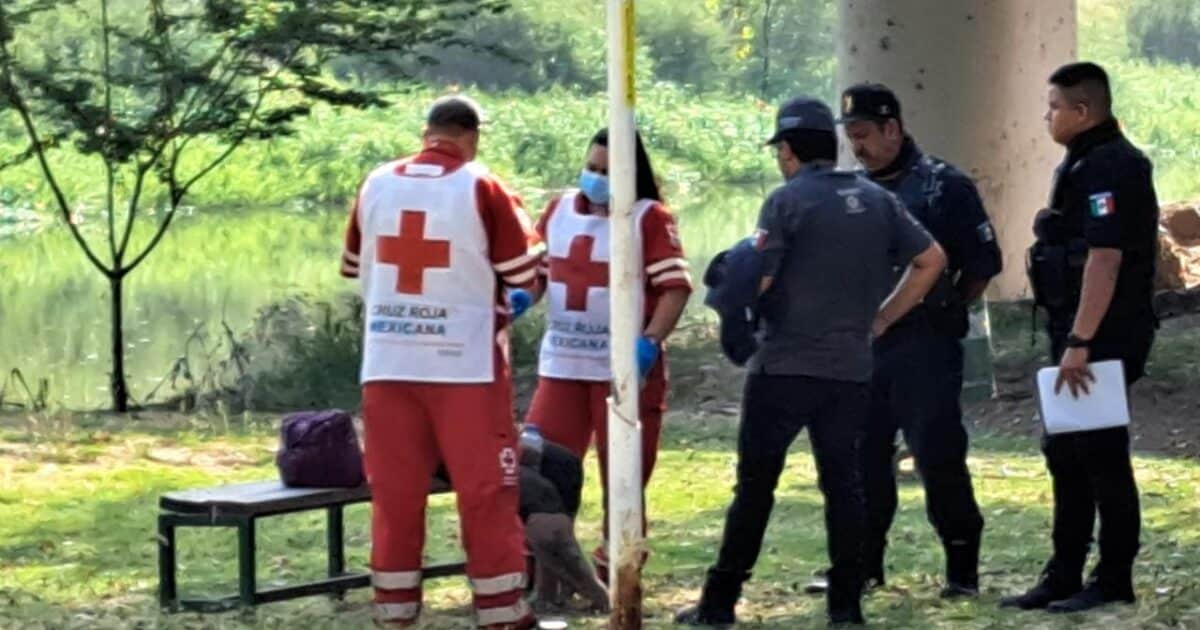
{"x":624,"y":429}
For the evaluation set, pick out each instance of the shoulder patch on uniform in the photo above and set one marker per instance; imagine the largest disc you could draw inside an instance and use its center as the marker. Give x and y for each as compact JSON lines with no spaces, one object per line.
{"x":985,"y":232}
{"x":1102,"y":205}
{"x":760,"y":239}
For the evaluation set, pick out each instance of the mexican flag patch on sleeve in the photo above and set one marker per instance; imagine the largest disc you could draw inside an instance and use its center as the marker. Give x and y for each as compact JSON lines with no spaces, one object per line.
{"x":1102,"y":205}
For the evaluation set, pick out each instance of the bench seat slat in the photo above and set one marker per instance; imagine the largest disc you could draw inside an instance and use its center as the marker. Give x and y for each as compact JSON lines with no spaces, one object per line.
{"x":265,"y":497}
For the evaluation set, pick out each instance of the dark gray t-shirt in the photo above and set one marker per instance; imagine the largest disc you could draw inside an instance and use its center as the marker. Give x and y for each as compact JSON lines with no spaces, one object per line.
{"x":831,"y":240}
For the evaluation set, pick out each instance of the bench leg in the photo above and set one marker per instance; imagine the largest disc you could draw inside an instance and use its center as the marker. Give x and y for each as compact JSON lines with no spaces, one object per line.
{"x":335,"y":537}
{"x":336,"y":543}
{"x":167,"y":593}
{"x":247,"y":583}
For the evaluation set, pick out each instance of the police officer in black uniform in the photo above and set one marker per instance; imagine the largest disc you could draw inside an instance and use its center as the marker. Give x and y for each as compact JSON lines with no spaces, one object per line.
{"x":917,"y":382}
{"x":1092,"y":271}
{"x":829,"y":241}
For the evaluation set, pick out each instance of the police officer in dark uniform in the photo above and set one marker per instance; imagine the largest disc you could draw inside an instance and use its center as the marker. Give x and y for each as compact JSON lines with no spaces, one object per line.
{"x":917,"y":383}
{"x":1092,"y":271}
{"x":829,"y":240}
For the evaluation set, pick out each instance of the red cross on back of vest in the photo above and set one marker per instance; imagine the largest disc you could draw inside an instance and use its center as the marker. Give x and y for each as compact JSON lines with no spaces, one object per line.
{"x":579,"y":272}
{"x":411,"y":254}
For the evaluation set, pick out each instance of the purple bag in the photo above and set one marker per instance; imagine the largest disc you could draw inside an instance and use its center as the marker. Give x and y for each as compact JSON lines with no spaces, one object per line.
{"x":319,"y":449}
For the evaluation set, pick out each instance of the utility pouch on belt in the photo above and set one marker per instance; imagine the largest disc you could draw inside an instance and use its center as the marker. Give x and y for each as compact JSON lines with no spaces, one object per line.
{"x":1056,"y":273}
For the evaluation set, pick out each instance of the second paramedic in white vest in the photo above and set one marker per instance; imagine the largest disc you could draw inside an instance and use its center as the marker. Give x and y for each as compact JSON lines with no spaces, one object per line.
{"x":435,"y":238}
{"x":573,"y":367}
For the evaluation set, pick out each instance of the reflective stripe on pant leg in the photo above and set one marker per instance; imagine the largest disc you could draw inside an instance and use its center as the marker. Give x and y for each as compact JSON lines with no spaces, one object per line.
{"x":503,"y":614}
{"x":499,"y":584}
{"x":395,"y":580}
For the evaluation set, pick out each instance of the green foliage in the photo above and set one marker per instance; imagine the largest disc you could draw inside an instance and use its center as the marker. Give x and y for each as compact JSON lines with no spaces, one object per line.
{"x":1157,"y":102}
{"x":538,"y":141}
{"x":304,"y":355}
{"x":1167,"y":30}
{"x":264,"y":225}
{"x":222,"y":71}
{"x":711,"y":46}
{"x":535,"y":44}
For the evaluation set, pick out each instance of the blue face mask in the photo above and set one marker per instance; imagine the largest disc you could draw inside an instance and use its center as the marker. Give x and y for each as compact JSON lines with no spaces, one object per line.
{"x":594,"y":187}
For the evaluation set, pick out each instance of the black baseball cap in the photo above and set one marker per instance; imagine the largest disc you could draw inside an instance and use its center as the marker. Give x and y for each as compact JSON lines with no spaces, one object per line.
{"x":802,"y":113}
{"x":869,"y":101}
{"x":455,"y":110}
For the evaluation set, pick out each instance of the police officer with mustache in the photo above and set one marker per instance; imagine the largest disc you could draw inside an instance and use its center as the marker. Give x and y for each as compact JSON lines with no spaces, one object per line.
{"x":918,"y":370}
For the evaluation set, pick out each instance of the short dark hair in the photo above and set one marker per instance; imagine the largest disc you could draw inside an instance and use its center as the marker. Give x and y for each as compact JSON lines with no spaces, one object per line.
{"x":647,"y":183}
{"x":809,"y":145}
{"x":1087,"y":83}
{"x":455,"y":111}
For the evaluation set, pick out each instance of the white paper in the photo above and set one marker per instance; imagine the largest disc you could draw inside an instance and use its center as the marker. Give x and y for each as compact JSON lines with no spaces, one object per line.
{"x":1104,"y":406}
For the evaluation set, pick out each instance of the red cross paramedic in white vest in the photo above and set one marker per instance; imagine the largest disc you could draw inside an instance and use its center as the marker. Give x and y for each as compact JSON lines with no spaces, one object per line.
{"x":574,"y":366}
{"x":435,"y":239}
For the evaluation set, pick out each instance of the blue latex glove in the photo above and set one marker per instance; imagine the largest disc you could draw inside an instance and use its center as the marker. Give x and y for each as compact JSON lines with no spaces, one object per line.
{"x":647,"y":355}
{"x":520,"y":301}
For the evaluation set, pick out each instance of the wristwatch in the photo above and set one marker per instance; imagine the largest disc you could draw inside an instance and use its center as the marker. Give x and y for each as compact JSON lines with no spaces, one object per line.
{"x":1074,"y":341}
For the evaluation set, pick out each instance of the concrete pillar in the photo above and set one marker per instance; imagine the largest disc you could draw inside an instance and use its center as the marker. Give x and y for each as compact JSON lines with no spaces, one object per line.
{"x":971,"y":78}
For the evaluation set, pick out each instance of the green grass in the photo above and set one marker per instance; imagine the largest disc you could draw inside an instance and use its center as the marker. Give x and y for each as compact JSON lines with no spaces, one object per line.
{"x":77,"y":546}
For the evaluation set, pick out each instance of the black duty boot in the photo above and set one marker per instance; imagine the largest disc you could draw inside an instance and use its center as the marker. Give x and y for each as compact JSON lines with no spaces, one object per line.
{"x":851,"y":617}
{"x":1053,"y":585}
{"x":1102,"y":588}
{"x":717,"y":601}
{"x":844,"y":601}
{"x":962,"y":569}
{"x":699,"y":615}
{"x":954,"y":590}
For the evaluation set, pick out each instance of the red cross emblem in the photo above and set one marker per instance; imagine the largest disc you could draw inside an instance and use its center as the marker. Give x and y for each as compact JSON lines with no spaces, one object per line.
{"x":411,"y":253}
{"x":579,"y":272}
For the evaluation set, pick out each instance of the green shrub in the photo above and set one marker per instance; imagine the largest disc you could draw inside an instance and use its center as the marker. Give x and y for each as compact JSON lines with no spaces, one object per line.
{"x":1166,"y":30}
{"x":301,"y":352}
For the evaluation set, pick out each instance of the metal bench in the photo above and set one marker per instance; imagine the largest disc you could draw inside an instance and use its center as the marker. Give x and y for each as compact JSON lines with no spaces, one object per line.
{"x":240,"y":506}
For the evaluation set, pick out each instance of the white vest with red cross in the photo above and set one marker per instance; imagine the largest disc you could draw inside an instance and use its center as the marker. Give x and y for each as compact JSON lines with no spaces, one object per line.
{"x":576,"y":343}
{"x":429,"y":290}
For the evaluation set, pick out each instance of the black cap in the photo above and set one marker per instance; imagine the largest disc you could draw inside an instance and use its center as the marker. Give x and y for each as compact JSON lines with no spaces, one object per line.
{"x":802,"y":113}
{"x":455,"y":110}
{"x":869,"y":101}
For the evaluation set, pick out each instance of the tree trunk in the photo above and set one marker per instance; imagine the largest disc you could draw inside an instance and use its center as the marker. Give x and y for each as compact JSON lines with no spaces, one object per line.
{"x":117,"y":386}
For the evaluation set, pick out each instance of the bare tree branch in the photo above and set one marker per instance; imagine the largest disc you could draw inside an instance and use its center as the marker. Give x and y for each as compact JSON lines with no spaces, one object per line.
{"x":136,"y":196}
{"x":178,"y":192}
{"x":18,"y":103}
{"x":110,"y":175}
{"x":145,"y":167}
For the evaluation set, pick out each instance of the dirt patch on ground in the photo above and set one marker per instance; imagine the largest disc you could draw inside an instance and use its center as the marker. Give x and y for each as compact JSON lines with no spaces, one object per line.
{"x":1166,"y":404}
{"x":1164,"y":413}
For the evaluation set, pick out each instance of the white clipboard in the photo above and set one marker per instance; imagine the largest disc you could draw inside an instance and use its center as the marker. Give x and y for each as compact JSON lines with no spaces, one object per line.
{"x":1105,"y":406}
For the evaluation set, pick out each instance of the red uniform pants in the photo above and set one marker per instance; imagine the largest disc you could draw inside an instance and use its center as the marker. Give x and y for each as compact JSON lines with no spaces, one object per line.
{"x":574,"y":413}
{"x":410,"y":428}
